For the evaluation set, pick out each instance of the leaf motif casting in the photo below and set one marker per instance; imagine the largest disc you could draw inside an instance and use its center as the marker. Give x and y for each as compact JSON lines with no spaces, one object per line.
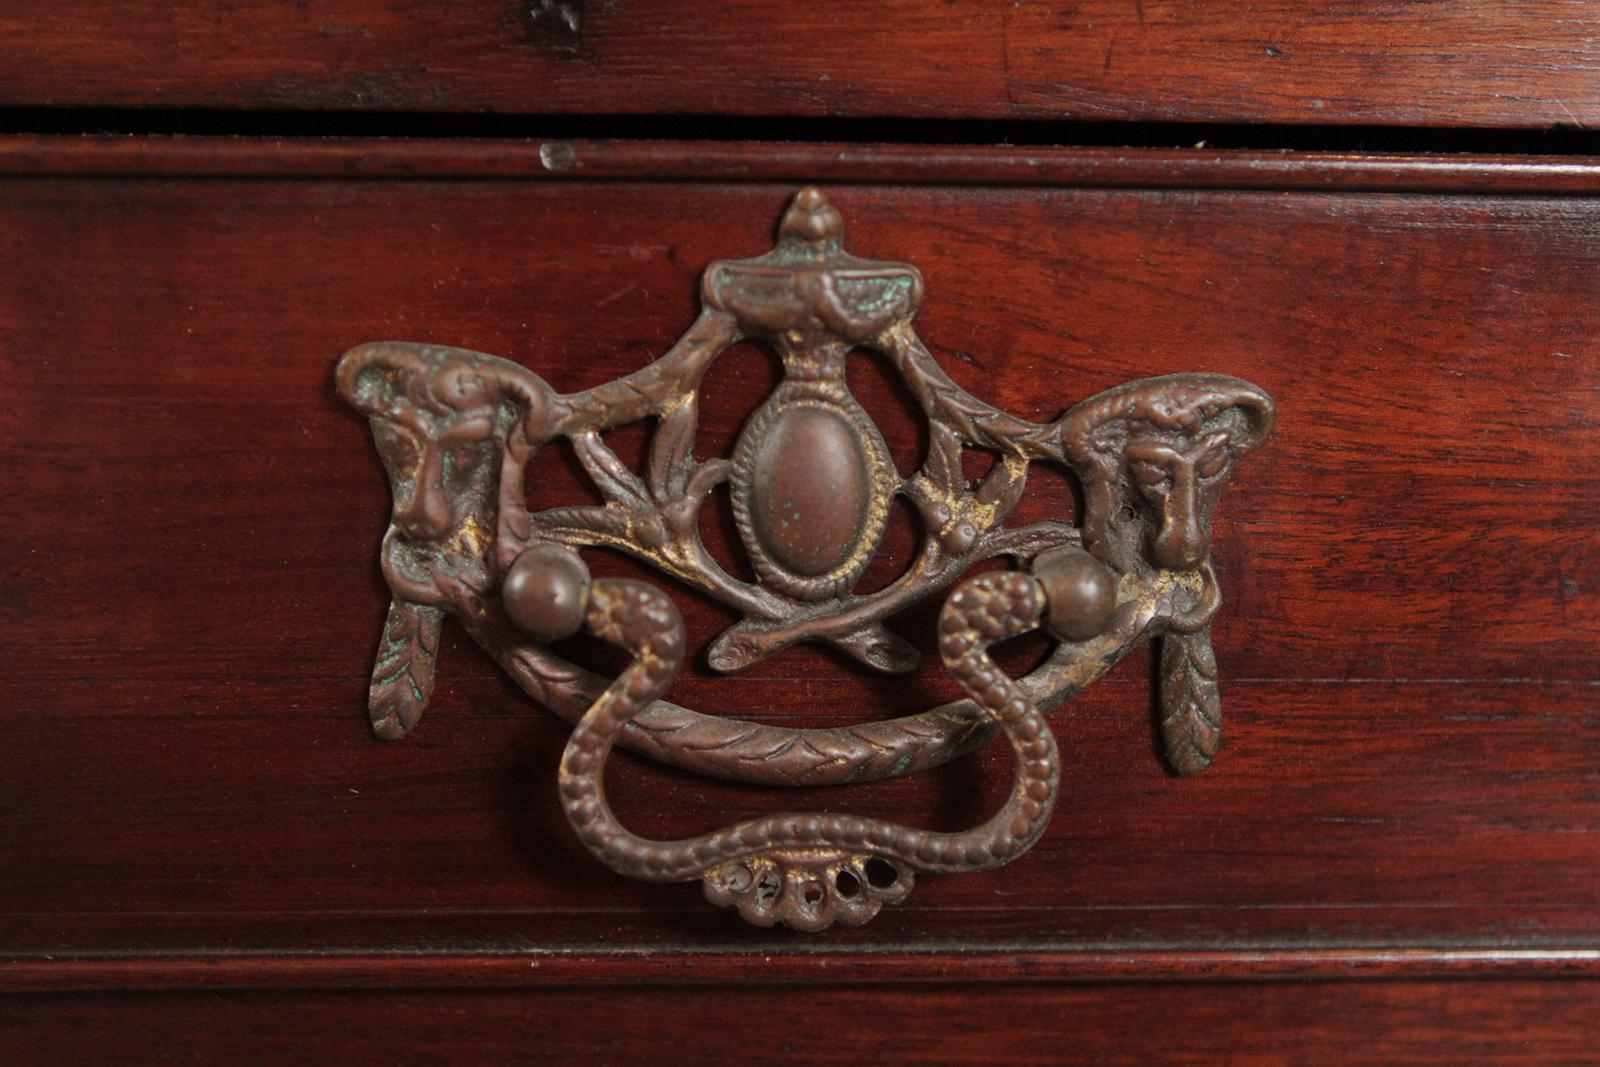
{"x":811,"y":480}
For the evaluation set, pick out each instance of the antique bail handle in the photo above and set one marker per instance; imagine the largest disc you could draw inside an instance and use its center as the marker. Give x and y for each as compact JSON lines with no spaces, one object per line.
{"x":810,"y":480}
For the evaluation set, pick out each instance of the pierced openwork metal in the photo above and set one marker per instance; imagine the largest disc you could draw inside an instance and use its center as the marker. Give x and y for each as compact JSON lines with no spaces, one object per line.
{"x":811,"y":482}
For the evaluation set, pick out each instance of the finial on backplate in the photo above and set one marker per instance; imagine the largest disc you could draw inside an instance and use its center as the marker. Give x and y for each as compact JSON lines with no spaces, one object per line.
{"x":810,"y":218}
{"x":809,"y":282}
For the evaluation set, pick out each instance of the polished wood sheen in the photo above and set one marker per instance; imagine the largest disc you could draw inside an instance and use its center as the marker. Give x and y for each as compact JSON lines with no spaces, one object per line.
{"x":1407,"y":648}
{"x":1432,"y":1022}
{"x":1464,"y":63}
{"x":971,"y":165}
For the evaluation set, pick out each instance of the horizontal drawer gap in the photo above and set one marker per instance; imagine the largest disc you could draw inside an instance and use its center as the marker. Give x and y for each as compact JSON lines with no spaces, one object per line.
{"x":1554,"y":140}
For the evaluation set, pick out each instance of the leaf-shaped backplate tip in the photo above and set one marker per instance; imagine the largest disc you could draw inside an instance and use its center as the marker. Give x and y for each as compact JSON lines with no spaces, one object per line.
{"x":402,"y":673}
{"x":1191,"y":704}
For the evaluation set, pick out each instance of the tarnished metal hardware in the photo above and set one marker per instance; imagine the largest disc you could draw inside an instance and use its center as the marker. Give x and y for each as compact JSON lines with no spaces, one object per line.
{"x":811,"y":480}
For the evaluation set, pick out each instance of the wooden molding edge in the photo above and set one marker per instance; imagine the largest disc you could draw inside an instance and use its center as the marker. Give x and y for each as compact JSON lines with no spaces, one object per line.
{"x":31,"y":155}
{"x":948,"y":965}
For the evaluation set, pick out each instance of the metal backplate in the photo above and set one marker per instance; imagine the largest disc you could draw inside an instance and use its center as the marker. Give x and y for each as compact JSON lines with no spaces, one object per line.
{"x":811,"y":481}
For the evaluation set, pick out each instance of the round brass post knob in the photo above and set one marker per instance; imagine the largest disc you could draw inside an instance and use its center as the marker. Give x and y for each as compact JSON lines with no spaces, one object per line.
{"x":545,"y":592}
{"x":1080,"y":590}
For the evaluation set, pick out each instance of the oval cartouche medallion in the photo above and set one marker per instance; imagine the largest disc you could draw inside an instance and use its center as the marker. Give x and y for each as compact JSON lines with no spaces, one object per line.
{"x":809,"y":490}
{"x":810,"y":493}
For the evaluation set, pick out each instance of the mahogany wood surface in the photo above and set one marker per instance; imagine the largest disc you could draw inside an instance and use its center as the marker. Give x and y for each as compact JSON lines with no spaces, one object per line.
{"x":1464,"y":63}
{"x":900,"y":164}
{"x":1454,"y":1023}
{"x":190,"y":602}
{"x":536,"y":969}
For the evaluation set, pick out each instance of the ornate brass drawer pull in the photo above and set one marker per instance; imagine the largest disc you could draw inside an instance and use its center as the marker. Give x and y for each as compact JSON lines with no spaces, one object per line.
{"x":811,"y":481}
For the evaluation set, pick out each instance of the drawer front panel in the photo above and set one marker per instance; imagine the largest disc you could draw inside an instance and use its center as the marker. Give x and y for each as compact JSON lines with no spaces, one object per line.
{"x":1325,"y":1022}
{"x":191,"y":603}
{"x":1470,"y":63}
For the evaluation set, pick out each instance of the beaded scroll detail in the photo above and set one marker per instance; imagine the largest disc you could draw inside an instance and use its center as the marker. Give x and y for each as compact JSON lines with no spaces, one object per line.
{"x":811,"y":481}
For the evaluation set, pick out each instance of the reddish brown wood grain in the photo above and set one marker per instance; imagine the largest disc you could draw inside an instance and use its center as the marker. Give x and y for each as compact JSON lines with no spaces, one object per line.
{"x":535,"y":969}
{"x":1381,"y":1022}
{"x":457,"y":839}
{"x":1467,"y":63}
{"x":899,"y":164}
{"x":190,"y":601}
